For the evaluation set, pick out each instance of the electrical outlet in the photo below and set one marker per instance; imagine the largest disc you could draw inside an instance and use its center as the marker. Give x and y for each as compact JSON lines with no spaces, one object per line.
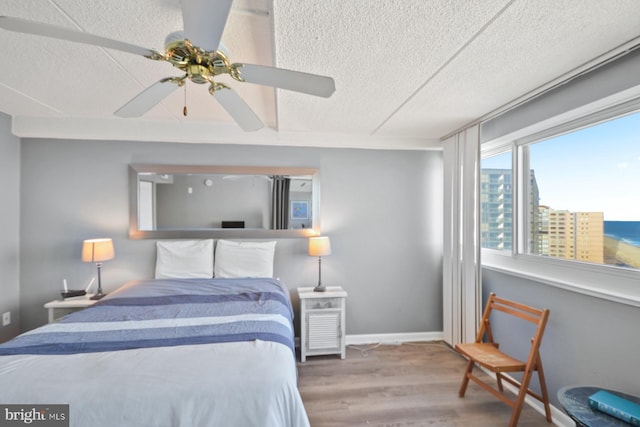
{"x":6,"y":318}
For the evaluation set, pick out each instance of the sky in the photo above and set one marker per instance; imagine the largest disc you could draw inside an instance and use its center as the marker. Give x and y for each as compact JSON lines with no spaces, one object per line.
{"x":595,"y":169}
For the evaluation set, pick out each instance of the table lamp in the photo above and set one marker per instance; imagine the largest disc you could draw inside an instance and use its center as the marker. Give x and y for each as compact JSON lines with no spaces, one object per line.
{"x":97,"y":251}
{"x":319,"y":246}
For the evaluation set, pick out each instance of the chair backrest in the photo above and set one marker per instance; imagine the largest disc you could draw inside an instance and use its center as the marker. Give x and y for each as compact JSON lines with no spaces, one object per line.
{"x":536,"y":316}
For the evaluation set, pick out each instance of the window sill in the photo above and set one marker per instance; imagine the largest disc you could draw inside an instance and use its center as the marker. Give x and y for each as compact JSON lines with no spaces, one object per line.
{"x":605,"y":282}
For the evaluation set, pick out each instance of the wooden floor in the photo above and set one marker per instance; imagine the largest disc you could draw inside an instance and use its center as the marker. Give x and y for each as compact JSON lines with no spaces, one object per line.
{"x":414,"y":384}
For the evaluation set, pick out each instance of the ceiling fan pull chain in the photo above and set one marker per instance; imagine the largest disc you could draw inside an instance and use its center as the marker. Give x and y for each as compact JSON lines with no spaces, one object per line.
{"x":184,"y":109}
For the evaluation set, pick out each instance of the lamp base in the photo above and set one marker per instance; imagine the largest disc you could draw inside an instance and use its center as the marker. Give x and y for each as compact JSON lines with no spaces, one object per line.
{"x":319,"y":288}
{"x":97,"y":296}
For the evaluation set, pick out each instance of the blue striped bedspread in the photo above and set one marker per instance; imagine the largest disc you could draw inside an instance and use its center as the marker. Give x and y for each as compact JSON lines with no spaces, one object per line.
{"x":168,"y":312}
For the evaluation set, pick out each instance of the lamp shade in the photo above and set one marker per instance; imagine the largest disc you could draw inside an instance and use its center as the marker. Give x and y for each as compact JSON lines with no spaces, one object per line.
{"x":97,"y":250}
{"x":319,"y":246}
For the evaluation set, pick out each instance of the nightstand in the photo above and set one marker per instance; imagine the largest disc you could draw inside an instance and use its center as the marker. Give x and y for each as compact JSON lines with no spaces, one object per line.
{"x":70,"y":304}
{"x":322,"y":322}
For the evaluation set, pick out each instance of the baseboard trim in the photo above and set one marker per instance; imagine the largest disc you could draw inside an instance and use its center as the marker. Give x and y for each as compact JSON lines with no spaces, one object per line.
{"x":393,"y":339}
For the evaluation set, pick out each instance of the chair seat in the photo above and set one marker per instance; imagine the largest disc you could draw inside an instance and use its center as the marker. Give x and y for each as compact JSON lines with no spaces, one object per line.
{"x":489,"y":356}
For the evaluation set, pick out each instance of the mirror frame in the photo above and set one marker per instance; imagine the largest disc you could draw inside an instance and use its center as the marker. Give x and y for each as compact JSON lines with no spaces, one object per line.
{"x":237,"y":233}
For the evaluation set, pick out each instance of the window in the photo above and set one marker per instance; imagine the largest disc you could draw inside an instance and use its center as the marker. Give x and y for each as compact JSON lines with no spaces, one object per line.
{"x":578,"y":193}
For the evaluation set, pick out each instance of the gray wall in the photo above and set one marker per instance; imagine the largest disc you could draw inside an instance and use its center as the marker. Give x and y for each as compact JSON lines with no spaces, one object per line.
{"x":9,"y":226}
{"x":588,"y":341}
{"x":382,"y":210}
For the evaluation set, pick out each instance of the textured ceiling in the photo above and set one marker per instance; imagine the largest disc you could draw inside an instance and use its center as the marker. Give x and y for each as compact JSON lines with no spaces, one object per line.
{"x":407,"y":72}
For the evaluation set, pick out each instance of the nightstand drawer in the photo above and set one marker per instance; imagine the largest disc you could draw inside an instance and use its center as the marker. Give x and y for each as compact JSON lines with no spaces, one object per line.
{"x":324,"y":303}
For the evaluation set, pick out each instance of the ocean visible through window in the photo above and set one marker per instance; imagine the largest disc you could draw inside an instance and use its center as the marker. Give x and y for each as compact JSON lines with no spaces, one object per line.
{"x":625,"y":237}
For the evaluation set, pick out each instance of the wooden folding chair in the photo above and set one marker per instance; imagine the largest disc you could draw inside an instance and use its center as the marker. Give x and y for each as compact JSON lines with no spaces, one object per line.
{"x":486,"y":353}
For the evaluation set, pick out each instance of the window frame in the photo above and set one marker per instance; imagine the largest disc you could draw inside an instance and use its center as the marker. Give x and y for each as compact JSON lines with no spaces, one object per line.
{"x":599,"y":280}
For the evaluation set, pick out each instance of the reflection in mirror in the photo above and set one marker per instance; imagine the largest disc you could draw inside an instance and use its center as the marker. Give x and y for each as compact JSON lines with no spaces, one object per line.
{"x":169,"y":201}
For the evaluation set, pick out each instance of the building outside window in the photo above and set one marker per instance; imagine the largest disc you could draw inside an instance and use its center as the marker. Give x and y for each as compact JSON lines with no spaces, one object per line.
{"x":496,"y":207}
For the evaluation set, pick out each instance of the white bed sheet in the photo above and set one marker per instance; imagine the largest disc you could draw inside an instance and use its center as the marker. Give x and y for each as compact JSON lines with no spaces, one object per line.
{"x":228,"y":384}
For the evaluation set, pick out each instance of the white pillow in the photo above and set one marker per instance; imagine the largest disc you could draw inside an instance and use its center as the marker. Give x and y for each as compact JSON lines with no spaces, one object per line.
{"x":244,"y":259}
{"x":184,"y":259}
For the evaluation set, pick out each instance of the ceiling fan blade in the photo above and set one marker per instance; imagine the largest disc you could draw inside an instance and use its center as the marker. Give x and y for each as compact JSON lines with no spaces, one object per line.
{"x":204,"y":21}
{"x":37,"y":28}
{"x":311,"y":84}
{"x":238,"y":109}
{"x":148,"y":98}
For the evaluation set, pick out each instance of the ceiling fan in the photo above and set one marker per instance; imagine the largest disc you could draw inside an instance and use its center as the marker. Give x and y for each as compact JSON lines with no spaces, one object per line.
{"x":198,"y":54}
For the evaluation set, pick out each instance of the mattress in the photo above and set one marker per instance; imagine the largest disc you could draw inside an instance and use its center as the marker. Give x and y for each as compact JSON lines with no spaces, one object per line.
{"x":189,"y":352}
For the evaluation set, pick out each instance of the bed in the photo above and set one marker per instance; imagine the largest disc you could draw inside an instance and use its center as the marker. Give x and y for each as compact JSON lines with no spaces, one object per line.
{"x":165,"y":352}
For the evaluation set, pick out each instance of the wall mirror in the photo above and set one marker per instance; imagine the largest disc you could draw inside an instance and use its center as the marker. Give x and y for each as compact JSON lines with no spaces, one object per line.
{"x":181,"y":201}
